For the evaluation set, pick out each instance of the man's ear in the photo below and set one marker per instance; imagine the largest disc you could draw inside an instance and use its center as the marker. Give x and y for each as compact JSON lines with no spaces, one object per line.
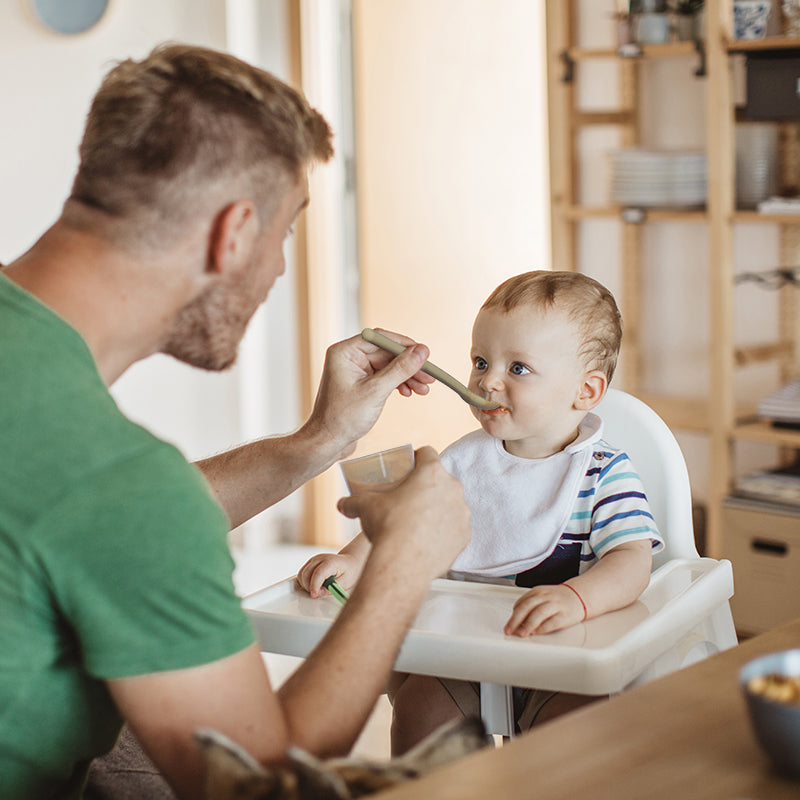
{"x":232,"y":236}
{"x":592,"y":390}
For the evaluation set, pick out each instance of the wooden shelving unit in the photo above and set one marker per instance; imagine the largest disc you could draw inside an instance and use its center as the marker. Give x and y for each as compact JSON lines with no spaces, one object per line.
{"x":715,"y":411}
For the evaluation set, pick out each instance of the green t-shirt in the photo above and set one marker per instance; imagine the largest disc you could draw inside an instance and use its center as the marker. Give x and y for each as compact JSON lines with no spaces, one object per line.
{"x":113,"y":556}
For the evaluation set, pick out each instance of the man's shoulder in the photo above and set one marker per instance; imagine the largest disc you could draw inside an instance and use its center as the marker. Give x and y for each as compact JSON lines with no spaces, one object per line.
{"x":64,"y":435}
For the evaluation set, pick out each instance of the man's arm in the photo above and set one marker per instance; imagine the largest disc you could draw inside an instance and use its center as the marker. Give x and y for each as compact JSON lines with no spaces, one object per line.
{"x":232,"y":695}
{"x":357,"y":379}
{"x":416,"y":531}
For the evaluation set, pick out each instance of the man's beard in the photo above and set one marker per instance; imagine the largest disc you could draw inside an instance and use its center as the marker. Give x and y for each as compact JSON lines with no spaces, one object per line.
{"x":208,"y":330}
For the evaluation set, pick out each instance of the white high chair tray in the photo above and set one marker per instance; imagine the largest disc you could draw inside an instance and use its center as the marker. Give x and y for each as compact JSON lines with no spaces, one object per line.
{"x":458,"y":632}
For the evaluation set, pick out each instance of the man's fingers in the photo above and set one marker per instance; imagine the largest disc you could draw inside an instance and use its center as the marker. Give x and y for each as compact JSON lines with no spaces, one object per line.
{"x":349,"y":507}
{"x":408,"y":363}
{"x":424,"y":455}
{"x":401,"y":368}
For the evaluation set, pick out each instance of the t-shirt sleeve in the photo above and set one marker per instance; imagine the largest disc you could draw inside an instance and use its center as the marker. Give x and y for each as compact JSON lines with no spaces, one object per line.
{"x":621,"y":512}
{"x":139,"y":566}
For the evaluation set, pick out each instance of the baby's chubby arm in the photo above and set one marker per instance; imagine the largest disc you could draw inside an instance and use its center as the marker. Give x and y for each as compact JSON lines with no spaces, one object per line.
{"x":346,"y":565}
{"x":617,"y":579}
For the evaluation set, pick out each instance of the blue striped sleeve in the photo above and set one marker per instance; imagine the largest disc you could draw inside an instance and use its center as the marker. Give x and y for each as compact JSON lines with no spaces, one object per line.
{"x":620,"y":512}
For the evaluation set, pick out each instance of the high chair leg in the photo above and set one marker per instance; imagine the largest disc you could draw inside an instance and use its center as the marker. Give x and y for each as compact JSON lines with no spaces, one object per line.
{"x":497,"y":709}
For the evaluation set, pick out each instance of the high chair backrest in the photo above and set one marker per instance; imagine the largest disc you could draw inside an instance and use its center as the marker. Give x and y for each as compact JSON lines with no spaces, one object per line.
{"x":631,"y":425}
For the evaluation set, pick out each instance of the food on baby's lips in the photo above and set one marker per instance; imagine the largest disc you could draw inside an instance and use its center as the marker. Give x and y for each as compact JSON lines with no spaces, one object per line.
{"x":493,"y":412}
{"x":776,"y":687}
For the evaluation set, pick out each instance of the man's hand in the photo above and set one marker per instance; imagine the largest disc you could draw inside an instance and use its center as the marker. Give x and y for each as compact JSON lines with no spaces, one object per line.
{"x":357,"y":379}
{"x":425,"y":519}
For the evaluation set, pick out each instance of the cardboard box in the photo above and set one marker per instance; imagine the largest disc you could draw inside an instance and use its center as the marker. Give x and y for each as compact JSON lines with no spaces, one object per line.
{"x":763,"y":544}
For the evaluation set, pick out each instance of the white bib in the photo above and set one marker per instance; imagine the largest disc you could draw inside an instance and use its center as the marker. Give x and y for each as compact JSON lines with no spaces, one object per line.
{"x":520,"y":506}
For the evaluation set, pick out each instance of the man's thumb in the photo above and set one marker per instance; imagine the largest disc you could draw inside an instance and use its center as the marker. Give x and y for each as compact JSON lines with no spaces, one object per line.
{"x":404,"y":366}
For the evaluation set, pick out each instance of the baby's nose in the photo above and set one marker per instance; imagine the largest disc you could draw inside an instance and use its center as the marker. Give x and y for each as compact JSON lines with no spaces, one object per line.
{"x":492,"y":380}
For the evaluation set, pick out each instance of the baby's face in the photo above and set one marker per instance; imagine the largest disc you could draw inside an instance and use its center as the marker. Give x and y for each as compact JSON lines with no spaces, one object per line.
{"x":527,"y":360}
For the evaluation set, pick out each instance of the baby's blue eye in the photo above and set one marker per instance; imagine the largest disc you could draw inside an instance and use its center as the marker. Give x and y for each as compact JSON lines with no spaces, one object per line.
{"x":519,"y":369}
{"x":480,"y":363}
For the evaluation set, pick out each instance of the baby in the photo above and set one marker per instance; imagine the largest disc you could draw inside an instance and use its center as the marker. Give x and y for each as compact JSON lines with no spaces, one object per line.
{"x":554,"y":507}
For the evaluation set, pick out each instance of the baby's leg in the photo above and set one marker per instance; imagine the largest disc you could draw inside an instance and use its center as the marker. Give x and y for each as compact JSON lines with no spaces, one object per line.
{"x":422,"y":703}
{"x":536,"y":706}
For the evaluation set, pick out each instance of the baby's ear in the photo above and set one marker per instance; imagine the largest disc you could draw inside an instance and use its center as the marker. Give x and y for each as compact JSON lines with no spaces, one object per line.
{"x":592,"y":389}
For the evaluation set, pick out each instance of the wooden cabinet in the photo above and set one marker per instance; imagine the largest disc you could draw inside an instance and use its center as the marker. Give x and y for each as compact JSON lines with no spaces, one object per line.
{"x":715,"y":410}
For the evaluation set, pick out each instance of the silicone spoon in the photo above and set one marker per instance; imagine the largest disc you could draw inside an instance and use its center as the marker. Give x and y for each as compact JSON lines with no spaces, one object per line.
{"x":385,"y":343}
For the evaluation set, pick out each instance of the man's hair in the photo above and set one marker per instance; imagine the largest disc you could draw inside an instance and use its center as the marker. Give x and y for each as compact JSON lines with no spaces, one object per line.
{"x":587,"y":303}
{"x":165,"y":135}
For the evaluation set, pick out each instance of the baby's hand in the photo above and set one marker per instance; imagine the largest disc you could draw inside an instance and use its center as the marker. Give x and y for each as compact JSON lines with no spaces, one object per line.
{"x":544,"y":609}
{"x":320,"y":567}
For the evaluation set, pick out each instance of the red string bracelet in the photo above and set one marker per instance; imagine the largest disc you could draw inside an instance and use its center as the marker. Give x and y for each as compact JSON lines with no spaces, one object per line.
{"x":579,"y":598}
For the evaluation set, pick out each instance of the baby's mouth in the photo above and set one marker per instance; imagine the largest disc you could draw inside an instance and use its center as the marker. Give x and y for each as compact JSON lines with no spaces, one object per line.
{"x":497,"y":411}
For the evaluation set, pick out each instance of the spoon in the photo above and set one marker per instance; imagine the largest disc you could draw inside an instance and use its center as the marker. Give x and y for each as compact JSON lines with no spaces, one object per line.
{"x":395,"y":348}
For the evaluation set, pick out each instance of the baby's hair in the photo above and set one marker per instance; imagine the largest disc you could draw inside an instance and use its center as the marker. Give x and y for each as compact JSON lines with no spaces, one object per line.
{"x":588,"y":304}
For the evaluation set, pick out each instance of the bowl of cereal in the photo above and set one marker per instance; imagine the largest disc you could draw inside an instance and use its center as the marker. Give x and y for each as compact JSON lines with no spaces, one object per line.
{"x":771,"y":685}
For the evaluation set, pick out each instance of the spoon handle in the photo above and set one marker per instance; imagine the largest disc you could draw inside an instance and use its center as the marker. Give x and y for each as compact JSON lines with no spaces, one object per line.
{"x":385,"y":343}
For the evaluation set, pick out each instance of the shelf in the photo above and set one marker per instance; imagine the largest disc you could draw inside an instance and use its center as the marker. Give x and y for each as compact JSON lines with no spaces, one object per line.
{"x":680,"y":413}
{"x":761,"y":431}
{"x":681,"y":49}
{"x":766,"y":44}
{"x":691,"y":415}
{"x":582,"y":118}
{"x":679,"y":214}
{"x":758,"y":217}
{"x":711,"y":410}
{"x":668,"y":50}
{"x":650,"y":214}
{"x":760,"y":353}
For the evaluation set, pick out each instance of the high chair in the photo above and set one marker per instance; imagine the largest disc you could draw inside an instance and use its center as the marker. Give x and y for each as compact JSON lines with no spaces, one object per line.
{"x":631,"y":425}
{"x":682,"y":616}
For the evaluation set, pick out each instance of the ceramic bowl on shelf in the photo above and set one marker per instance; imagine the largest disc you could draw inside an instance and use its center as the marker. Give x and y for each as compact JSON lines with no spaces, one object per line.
{"x":771,"y":685}
{"x":757,"y":165}
{"x":750,"y":18}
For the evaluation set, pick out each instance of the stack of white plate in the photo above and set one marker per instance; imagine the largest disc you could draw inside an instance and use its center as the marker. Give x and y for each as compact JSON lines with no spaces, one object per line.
{"x":658,"y":178}
{"x":782,"y":405}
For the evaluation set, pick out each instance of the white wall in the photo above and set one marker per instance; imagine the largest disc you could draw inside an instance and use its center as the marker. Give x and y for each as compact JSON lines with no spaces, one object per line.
{"x":46,"y":84}
{"x":452,"y":179}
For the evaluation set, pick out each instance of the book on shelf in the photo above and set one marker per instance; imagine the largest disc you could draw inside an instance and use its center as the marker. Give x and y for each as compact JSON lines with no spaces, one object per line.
{"x":777,"y":486}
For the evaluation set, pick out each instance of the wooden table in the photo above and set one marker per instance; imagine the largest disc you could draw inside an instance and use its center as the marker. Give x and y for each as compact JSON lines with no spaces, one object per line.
{"x":686,"y":735}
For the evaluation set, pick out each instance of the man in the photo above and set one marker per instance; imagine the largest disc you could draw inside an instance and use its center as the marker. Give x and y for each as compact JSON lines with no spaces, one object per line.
{"x":116,"y":599}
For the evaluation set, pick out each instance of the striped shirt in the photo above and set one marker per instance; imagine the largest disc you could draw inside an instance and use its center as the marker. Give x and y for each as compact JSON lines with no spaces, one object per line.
{"x":529,"y":515}
{"x":611,"y":508}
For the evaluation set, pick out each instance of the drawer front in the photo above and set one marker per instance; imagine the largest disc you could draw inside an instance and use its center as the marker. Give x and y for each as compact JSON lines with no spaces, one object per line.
{"x":764,"y":549}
